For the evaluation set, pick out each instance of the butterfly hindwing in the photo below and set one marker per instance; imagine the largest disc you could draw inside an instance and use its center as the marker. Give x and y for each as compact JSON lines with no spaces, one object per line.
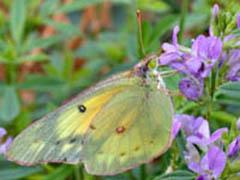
{"x":133,"y":128}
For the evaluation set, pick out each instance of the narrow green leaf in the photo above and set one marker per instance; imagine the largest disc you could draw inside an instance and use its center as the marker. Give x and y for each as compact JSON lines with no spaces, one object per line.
{"x":36,"y":58}
{"x":224,"y":117}
{"x":177,"y":175}
{"x":46,"y":42}
{"x":228,"y":93}
{"x":9,"y":104}
{"x":153,"y":5}
{"x":41,"y":83}
{"x":80,"y":5}
{"x":60,"y":173}
{"x":17,"y":19}
{"x":18,"y":173}
{"x":67,"y":29}
{"x":77,"y":5}
{"x":49,"y":7}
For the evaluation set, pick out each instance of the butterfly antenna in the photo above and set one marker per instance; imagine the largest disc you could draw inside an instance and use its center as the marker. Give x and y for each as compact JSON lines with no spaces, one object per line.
{"x":165,"y":74}
{"x":170,"y":92}
{"x":140,"y":34}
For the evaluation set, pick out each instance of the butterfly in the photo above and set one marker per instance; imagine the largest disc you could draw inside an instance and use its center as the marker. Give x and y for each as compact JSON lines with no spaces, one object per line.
{"x":114,"y":126}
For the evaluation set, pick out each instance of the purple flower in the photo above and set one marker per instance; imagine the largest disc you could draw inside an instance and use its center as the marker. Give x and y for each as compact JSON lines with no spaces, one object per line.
{"x":175,"y":127}
{"x":174,"y":37}
{"x":238,"y":123}
{"x":234,"y":65}
{"x":203,"y":142}
{"x":211,"y":165}
{"x":197,"y":61}
{"x":206,"y":51}
{"x":172,"y":56}
{"x":215,"y":10}
{"x":191,"y":88}
{"x":192,"y":125}
{"x":238,"y":20}
{"x":196,"y":130}
{"x":234,"y":147}
{"x":4,"y":144}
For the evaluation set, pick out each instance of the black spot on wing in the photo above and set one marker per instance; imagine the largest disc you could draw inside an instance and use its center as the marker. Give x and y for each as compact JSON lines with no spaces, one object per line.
{"x":73,"y":140}
{"x":92,"y":127}
{"x":122,"y":154}
{"x":136,"y":148}
{"x":58,"y":142}
{"x":82,"y":108}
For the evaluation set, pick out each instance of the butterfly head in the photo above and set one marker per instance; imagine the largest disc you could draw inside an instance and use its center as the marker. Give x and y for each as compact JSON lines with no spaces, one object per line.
{"x":147,"y":69}
{"x":143,"y":68}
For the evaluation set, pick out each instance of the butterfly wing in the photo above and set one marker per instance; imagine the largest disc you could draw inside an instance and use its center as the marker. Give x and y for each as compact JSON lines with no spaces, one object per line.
{"x":58,"y":136}
{"x":133,"y":128}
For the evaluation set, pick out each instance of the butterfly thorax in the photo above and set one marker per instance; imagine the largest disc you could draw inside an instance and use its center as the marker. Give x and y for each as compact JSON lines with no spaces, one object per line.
{"x":147,"y":71}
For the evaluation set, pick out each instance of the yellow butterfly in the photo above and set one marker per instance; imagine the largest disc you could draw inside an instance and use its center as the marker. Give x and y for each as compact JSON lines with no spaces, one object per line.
{"x":114,"y":126}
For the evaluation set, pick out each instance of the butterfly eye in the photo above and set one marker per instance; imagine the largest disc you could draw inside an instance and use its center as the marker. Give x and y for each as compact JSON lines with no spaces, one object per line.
{"x":82,"y":108}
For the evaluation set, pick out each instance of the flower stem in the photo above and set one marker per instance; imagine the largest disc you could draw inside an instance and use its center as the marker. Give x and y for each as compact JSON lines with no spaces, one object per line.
{"x":130,"y":175}
{"x":88,"y":176}
{"x":183,"y":18}
{"x":78,"y":172}
{"x":142,"y":172}
{"x":140,"y":34}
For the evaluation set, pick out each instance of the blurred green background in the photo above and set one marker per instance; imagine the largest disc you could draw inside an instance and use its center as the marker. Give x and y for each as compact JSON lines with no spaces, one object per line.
{"x":50,"y":50}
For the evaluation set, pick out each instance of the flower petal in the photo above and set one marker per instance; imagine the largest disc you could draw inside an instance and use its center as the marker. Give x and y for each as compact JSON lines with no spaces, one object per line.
{"x":174,"y":37}
{"x":201,"y":142}
{"x":238,"y":20}
{"x":176,"y":127}
{"x":191,"y":88}
{"x":214,"y":161}
{"x":234,"y":147}
{"x":204,"y":128}
{"x":4,"y":147}
{"x":3,"y":132}
{"x":217,"y":134}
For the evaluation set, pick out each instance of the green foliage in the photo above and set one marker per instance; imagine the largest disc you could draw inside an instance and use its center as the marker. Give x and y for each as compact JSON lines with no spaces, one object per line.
{"x":65,"y":71}
{"x":17,"y":19}
{"x":228,"y":93}
{"x":10,"y":105}
{"x":177,"y":175}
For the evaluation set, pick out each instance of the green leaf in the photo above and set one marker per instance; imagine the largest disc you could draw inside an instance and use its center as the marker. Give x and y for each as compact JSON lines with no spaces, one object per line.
{"x":9,"y":104}
{"x":177,"y":175}
{"x":17,"y":19}
{"x":164,"y":25}
{"x":80,"y":5}
{"x":36,"y":58}
{"x":224,"y":117}
{"x":41,"y":83}
{"x":49,"y":7}
{"x":77,"y":5}
{"x":154,"y":35}
{"x":228,"y":94}
{"x":18,"y":173}
{"x":67,"y":29}
{"x":45,"y":42}
{"x":152,"y":5}
{"x":60,"y":173}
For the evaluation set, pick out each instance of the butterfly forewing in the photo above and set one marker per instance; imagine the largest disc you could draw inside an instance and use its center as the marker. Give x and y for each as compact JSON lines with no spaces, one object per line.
{"x":58,"y":136}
